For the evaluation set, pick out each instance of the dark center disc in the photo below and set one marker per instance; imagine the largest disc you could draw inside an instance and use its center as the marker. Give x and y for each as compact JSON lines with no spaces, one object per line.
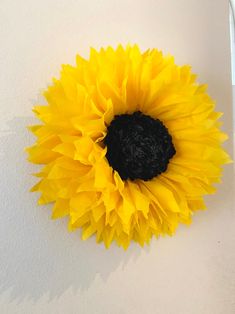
{"x":138,"y":146}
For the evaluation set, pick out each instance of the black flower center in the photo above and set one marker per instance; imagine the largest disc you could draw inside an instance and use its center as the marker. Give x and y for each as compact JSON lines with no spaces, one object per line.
{"x":138,"y":146}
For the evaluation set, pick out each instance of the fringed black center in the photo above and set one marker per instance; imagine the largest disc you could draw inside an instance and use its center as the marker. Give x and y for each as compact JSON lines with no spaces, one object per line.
{"x":138,"y":146}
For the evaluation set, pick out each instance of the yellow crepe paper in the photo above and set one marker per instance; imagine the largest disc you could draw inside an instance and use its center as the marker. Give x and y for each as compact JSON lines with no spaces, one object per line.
{"x":76,"y":176}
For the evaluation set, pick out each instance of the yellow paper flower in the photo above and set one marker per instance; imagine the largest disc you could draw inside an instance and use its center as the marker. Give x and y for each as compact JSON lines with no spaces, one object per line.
{"x":130,"y":144}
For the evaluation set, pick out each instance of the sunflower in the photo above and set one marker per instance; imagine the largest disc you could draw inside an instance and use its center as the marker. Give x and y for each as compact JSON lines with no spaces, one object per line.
{"x":130,"y":144}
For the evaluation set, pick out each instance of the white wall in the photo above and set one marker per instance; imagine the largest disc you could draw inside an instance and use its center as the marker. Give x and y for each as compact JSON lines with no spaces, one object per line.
{"x":43,"y":268}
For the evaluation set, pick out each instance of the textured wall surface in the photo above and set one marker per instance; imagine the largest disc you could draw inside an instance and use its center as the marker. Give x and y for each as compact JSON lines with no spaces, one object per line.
{"x":45,"y":269}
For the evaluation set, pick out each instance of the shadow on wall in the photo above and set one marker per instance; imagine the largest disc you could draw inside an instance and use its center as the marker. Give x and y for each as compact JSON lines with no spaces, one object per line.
{"x":38,"y":255}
